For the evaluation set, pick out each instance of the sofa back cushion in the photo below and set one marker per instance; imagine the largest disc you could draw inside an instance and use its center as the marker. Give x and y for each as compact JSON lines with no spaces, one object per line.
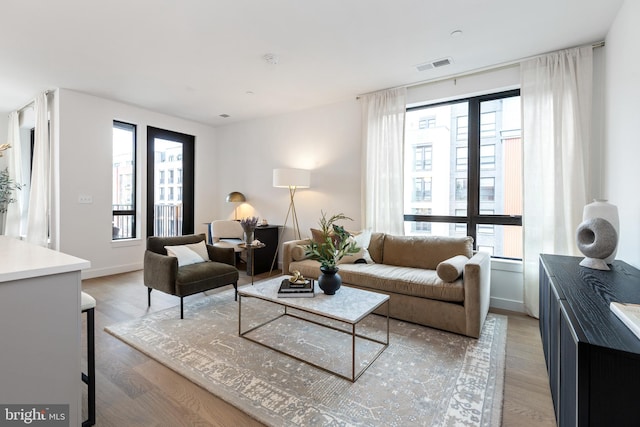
{"x":424,"y":251}
{"x":376,"y":245}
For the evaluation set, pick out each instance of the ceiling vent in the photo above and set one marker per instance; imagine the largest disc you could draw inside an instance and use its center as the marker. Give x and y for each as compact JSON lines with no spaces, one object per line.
{"x":434,"y":64}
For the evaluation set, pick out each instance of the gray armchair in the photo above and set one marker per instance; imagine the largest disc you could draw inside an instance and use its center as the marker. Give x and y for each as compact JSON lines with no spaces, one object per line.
{"x":161,"y":271}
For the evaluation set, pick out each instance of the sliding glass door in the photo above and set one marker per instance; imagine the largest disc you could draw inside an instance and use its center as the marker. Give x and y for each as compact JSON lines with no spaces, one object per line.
{"x":170,"y":182}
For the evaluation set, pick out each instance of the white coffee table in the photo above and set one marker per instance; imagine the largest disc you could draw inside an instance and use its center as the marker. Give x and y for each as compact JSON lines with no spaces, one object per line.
{"x":349,"y":306}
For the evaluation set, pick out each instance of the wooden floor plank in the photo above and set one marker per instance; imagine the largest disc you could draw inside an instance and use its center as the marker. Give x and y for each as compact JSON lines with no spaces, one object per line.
{"x":134,"y":390}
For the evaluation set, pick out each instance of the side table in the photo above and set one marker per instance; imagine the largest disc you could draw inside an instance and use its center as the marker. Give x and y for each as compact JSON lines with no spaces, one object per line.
{"x":250,"y":248}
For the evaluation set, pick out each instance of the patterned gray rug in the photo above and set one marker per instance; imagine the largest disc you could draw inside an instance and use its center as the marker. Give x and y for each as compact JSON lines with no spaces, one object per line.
{"x":425,"y":377}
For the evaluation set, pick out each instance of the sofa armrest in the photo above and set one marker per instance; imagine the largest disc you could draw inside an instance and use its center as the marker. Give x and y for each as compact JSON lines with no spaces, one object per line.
{"x":160,"y":272}
{"x":287,"y":248}
{"x":477,"y":291}
{"x":220,"y":254}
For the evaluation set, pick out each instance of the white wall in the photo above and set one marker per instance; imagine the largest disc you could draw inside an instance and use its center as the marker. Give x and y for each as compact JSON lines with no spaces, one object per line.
{"x":325,"y":140}
{"x":621,"y":172}
{"x":85,"y":135}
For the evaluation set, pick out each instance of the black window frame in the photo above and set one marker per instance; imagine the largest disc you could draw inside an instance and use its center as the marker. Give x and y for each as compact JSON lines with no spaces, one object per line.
{"x":473,"y":217}
{"x":133,"y":212}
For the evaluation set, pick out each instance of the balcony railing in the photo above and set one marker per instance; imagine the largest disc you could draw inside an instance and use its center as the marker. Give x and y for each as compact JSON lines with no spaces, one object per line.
{"x":167,"y":221}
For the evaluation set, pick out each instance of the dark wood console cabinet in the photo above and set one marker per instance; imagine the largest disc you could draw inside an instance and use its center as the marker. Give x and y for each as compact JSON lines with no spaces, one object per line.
{"x":264,"y":257}
{"x":593,"y":359}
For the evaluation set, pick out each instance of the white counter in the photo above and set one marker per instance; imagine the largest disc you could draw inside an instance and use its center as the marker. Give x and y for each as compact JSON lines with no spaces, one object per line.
{"x":40,"y":327}
{"x":22,"y":260}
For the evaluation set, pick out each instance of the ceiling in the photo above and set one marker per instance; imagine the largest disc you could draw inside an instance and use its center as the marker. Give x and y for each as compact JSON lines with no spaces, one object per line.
{"x":198,"y":59}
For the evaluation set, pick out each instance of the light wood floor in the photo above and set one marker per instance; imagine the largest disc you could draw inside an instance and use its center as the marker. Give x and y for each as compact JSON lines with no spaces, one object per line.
{"x":134,"y":390}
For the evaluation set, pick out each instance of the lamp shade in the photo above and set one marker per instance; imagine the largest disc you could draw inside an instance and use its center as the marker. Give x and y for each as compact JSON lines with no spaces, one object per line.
{"x":286,"y":178}
{"x":236,"y":197}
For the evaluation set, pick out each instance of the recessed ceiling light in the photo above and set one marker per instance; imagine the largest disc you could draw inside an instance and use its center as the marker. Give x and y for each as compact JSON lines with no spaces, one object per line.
{"x":456,"y":33}
{"x":249,"y":92}
{"x":225,"y":116}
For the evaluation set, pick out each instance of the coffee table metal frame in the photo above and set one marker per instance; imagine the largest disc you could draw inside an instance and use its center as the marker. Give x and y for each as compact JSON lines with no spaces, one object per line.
{"x":291,"y":303}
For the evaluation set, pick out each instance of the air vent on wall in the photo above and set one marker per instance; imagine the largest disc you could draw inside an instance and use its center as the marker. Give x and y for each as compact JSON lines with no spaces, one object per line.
{"x":434,"y":64}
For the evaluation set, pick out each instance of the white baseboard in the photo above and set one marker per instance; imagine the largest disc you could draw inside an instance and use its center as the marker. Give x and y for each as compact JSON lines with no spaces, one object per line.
{"x":507,"y":304}
{"x":108,"y":271}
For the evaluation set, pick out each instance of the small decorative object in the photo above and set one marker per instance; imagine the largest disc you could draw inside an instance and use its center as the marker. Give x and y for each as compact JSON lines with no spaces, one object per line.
{"x":334,"y":243}
{"x":596,"y":239}
{"x":297,"y":277}
{"x":600,"y":208}
{"x":249,"y":225}
{"x":264,"y":222}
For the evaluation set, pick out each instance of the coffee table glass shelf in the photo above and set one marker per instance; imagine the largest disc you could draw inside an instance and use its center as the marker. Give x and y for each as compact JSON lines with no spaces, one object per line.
{"x":341,"y":313}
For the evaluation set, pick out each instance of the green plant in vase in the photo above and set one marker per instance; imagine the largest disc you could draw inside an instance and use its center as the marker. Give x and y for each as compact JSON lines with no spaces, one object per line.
{"x":332,"y":244}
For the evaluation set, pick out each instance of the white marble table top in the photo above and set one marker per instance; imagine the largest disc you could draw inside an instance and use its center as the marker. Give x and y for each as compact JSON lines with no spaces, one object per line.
{"x":348,"y":305}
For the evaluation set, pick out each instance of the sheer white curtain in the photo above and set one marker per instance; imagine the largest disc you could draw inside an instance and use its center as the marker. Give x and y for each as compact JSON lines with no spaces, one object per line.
{"x":39,"y":197}
{"x":13,"y":226}
{"x":556,"y":91}
{"x":382,"y":153}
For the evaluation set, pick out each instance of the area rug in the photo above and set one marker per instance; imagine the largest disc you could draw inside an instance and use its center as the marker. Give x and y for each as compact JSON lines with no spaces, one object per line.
{"x":425,"y":377}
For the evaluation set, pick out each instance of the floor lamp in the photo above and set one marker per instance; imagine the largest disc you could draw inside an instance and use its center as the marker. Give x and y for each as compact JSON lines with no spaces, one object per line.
{"x":291,"y":179}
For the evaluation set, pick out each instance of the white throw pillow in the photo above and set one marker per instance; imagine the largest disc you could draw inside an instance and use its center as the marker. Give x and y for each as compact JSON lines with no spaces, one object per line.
{"x":189,"y":254}
{"x":362,"y":239}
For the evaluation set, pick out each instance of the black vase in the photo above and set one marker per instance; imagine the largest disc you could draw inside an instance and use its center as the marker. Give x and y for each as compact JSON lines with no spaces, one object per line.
{"x":329,"y":281}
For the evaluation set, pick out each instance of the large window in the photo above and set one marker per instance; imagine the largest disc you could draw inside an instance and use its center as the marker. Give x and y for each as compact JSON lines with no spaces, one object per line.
{"x":475,"y":182}
{"x":124,"y":181}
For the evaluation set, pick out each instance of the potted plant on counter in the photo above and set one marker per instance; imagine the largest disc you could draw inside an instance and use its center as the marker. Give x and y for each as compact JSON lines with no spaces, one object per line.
{"x":328,"y":246}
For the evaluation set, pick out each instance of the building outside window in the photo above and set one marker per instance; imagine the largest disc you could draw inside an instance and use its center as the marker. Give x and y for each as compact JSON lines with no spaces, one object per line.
{"x":422,"y":189}
{"x":423,"y":154}
{"x":124,"y":215}
{"x":475,"y":180}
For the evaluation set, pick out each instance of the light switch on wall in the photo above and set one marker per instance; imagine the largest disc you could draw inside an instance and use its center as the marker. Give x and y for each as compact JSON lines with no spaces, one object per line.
{"x":85,"y":199}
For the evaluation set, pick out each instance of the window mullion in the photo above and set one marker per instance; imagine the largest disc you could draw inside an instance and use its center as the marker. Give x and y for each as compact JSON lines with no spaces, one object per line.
{"x":473,"y":170}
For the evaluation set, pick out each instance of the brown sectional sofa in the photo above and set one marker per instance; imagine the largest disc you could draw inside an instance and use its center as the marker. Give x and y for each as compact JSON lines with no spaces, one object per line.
{"x":405,"y":269}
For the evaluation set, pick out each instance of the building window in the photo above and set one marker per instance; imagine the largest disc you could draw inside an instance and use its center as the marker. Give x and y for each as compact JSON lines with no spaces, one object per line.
{"x":170,"y":176}
{"x":422,"y":190}
{"x":488,"y":124}
{"x":462,"y":158}
{"x":124,"y":216}
{"x":488,"y":157}
{"x":161,"y":177}
{"x":427,"y":123}
{"x":423,"y":154}
{"x":462,"y":128}
{"x":487,"y":189}
{"x":461,"y":188}
{"x":479,"y":190}
{"x":422,"y":227}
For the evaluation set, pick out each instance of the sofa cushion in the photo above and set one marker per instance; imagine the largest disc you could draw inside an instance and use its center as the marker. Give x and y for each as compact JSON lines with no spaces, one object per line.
{"x":424,"y":251}
{"x":402,"y":280}
{"x":452,"y":268}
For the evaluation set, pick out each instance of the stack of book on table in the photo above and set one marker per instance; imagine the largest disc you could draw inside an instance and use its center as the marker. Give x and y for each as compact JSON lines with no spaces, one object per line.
{"x":298,"y":289}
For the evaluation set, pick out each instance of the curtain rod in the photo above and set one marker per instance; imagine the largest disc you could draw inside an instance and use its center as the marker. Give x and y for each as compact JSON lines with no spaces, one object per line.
{"x":471,"y":72}
{"x":30,"y":103}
